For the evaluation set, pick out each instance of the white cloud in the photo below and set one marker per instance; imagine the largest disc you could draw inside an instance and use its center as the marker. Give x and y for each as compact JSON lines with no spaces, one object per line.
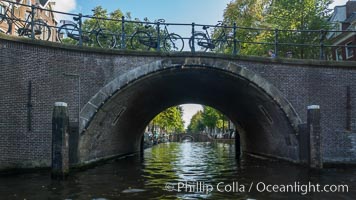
{"x":64,"y":6}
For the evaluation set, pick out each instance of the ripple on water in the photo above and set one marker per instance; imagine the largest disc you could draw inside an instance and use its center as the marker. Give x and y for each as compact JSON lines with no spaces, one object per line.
{"x":145,"y":178}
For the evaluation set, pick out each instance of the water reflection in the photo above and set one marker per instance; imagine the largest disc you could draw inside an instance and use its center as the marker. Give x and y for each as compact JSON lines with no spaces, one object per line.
{"x":158,"y":174}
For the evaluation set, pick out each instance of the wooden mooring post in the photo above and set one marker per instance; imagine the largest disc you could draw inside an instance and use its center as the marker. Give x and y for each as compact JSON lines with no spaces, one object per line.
{"x":60,"y":140}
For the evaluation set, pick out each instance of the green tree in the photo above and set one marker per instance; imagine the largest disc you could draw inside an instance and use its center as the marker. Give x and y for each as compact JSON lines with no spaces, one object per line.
{"x":211,"y":117}
{"x":282,"y":15}
{"x":170,"y":120}
{"x":222,"y":122}
{"x":302,"y":15}
{"x":90,"y":23}
{"x":196,"y":123}
{"x":112,"y":23}
{"x":247,"y":14}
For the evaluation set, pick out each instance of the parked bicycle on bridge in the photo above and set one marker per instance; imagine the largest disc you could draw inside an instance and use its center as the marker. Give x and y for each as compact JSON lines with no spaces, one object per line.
{"x":147,"y":39}
{"x":24,"y":27}
{"x":69,"y":32}
{"x":203,"y":41}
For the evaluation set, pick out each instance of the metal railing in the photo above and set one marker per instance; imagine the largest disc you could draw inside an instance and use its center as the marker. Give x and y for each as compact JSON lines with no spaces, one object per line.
{"x":196,"y":36}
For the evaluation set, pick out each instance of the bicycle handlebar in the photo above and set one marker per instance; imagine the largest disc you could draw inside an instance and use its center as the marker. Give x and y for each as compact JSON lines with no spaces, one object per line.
{"x":161,"y":20}
{"x":220,"y":23}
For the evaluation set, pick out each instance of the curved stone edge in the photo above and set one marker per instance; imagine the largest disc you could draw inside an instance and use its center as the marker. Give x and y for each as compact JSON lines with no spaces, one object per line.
{"x":104,"y":94}
{"x":91,"y":108}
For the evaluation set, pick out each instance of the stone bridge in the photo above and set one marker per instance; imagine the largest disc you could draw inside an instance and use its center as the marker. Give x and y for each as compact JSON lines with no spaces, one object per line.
{"x":116,"y":93}
{"x":190,"y":137}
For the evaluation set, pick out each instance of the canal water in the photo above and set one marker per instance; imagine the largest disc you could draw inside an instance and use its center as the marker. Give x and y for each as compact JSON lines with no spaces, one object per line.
{"x":186,"y":171}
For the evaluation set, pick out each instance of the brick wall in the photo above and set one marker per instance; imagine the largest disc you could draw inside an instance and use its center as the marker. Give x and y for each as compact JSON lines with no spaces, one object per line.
{"x":302,"y":84}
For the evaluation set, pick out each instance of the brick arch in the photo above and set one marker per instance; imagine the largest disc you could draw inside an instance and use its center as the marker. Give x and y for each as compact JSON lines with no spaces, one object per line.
{"x":123,"y":80}
{"x":187,"y":136}
{"x":102,"y":119}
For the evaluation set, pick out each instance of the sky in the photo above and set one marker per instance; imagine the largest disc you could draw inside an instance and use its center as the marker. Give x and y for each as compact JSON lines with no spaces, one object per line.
{"x":178,"y":11}
{"x":186,"y":11}
{"x":183,"y":11}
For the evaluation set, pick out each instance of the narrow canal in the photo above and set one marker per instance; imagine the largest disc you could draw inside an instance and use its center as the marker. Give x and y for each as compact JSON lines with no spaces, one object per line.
{"x":184,"y":171}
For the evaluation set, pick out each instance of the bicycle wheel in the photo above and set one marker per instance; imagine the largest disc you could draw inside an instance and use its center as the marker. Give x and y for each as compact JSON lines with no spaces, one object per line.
{"x":68,"y":34}
{"x":42,"y":30}
{"x":106,"y":39}
{"x":140,"y":40}
{"x":200,"y":42}
{"x":220,"y":46}
{"x":173,"y":42}
{"x":119,"y":44}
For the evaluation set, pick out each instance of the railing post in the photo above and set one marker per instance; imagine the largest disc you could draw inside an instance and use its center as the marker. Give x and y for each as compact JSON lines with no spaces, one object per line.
{"x":123,"y":32}
{"x":193,"y":31}
{"x":32,"y":22}
{"x":80,"y":29}
{"x":234,"y":52}
{"x":276,"y":43}
{"x":158,"y":37}
{"x":322,"y":56}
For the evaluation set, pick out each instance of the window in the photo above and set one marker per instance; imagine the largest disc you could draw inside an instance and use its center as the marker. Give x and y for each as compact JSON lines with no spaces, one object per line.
{"x":2,"y":13}
{"x":47,"y":12}
{"x":338,"y":54}
{"x":337,"y":27}
{"x":349,"y":50}
{"x":17,"y":5}
{"x":29,"y":2}
{"x":2,"y":10}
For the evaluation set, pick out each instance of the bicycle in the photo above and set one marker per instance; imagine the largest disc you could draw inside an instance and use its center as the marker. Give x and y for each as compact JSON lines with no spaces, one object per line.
{"x":146,"y":39}
{"x":24,"y":27}
{"x":203,"y":40}
{"x":69,"y":33}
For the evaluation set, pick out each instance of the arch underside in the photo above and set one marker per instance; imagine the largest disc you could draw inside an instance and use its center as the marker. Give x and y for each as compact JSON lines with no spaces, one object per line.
{"x":184,"y":137}
{"x":117,"y":124}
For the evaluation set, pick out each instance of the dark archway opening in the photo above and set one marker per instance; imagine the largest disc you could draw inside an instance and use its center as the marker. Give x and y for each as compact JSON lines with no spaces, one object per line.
{"x":117,"y":128}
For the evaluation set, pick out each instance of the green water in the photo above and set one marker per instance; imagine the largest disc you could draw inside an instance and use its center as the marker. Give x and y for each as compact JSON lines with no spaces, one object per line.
{"x":183,"y":171}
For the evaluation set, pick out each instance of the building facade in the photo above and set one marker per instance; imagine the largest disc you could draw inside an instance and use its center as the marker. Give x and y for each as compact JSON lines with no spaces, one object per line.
{"x":15,"y":16}
{"x":343,"y":19}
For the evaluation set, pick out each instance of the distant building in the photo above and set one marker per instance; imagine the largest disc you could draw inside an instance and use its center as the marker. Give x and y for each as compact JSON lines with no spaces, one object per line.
{"x":342,"y":19}
{"x":22,"y":13}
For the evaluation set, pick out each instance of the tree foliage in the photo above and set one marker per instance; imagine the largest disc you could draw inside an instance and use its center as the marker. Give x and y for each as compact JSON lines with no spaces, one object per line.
{"x":208,"y":118}
{"x":114,"y":25}
{"x":170,"y":120}
{"x":196,"y":123}
{"x":282,"y":15}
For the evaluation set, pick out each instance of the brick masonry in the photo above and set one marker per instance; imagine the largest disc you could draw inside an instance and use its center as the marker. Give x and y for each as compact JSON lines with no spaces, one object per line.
{"x":303,"y":83}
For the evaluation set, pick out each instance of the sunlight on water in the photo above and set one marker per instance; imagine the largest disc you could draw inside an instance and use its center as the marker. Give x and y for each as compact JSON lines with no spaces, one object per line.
{"x":179,"y":171}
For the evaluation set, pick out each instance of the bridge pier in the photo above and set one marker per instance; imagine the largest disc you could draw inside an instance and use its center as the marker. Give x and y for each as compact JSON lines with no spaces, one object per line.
{"x":142,"y":144}
{"x":60,"y":140}
{"x":314,"y":132}
{"x":237,"y":144}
